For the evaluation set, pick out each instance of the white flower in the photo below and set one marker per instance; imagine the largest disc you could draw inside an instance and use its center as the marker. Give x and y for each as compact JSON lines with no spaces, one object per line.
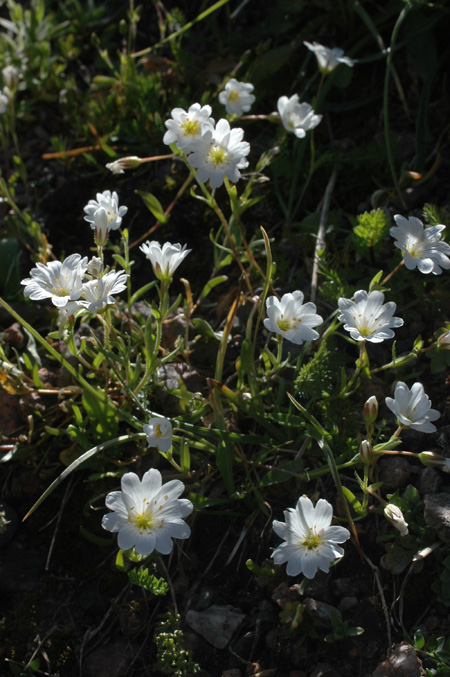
{"x":291,"y":318}
{"x":166,"y":259}
{"x":367,"y":318}
{"x":119,"y":166}
{"x":396,"y":518}
{"x":310,"y":541}
{"x":421,"y":247}
{"x":95,"y":267}
{"x":98,"y":293}
{"x":110,"y":203}
{"x":297,"y":117}
{"x":159,"y":433}
{"x":237,"y":97}
{"x":147,"y":514}
{"x":10,"y":76}
{"x":4,"y":101}
{"x":328,"y":59}
{"x":100,"y":227}
{"x":60,"y":282}
{"x":186,"y":128}
{"x":412,"y":408}
{"x":219,"y":153}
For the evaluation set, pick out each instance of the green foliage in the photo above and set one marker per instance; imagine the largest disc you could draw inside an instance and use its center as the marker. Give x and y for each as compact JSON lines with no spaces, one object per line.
{"x":341,"y":629}
{"x":442,"y":586}
{"x":149,"y":582}
{"x":318,"y":377}
{"x":370,"y":232}
{"x":435,"y":215}
{"x":436,"y":649}
{"x":172,"y":658}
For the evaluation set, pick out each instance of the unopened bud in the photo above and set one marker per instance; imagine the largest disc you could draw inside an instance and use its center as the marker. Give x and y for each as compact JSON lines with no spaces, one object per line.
{"x":119,"y":166}
{"x":10,"y":76}
{"x":100,"y":226}
{"x":444,"y":341}
{"x":366,"y":451}
{"x":395,"y":517}
{"x":433,"y":460}
{"x":370,"y":411}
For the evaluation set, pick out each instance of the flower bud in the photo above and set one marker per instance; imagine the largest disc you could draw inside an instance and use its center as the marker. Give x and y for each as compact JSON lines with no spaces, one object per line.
{"x":395,"y":516}
{"x":95,"y":267}
{"x":444,"y":341}
{"x":366,"y":451}
{"x":119,"y":166}
{"x":10,"y":76}
{"x":101,"y":230}
{"x":433,"y":460}
{"x":370,"y":411}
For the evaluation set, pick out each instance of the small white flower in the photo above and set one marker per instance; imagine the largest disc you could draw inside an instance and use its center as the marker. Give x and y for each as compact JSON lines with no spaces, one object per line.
{"x":237,"y":97}
{"x":119,"y":166}
{"x":96,"y":294}
{"x":4,"y":101}
{"x":291,"y":318}
{"x":110,"y":203}
{"x":328,"y":59}
{"x":421,"y":247}
{"x":166,"y":259}
{"x":297,"y":117}
{"x":100,"y":227}
{"x":95,"y":267}
{"x":396,"y":518}
{"x":60,"y":282}
{"x":147,"y":514}
{"x":412,"y":408}
{"x":367,"y":318}
{"x":159,"y":433}
{"x":186,"y":128}
{"x":310,"y":541}
{"x":220,"y":153}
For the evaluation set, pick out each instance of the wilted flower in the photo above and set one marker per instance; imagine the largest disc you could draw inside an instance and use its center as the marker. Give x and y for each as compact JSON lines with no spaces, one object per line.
{"x":96,"y":294}
{"x":291,"y":318}
{"x":110,"y":203}
{"x":328,"y":59}
{"x":60,"y":282}
{"x":444,"y":341}
{"x":396,"y":518}
{"x":367,"y":318}
{"x":147,"y":514}
{"x":421,"y":247}
{"x":119,"y":166}
{"x":237,"y":97}
{"x":186,"y":128}
{"x":220,"y":153}
{"x":310,"y":541}
{"x":412,"y":408}
{"x":159,"y":433}
{"x":433,"y":460}
{"x":166,"y":259}
{"x":95,"y":267}
{"x":297,"y":117}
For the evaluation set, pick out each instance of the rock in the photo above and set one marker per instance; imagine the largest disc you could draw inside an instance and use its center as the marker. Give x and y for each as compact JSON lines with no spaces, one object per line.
{"x":324,"y":670}
{"x":347,"y":603}
{"x":343,"y":587}
{"x":394,"y":472}
{"x":112,"y":660}
{"x":437,"y":515}
{"x":321,"y":612}
{"x":430,"y":481}
{"x":403,"y":662}
{"x":217,"y":624}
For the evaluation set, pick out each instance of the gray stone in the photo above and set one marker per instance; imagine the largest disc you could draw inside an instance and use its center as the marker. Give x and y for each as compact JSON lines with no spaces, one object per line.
{"x":430,"y":481}
{"x":321,"y":612}
{"x":217,"y":624}
{"x":437,"y":515}
{"x":403,"y":662}
{"x":394,"y":472}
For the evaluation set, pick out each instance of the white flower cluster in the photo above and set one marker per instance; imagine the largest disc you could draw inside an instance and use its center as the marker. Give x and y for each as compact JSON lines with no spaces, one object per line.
{"x":215,"y":150}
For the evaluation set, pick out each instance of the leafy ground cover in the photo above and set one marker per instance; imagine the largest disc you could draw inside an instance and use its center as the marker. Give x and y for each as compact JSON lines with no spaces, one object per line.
{"x":291,"y":352}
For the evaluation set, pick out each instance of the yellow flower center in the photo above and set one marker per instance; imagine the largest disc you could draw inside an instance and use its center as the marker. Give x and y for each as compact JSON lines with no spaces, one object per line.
{"x":312,"y":541}
{"x":233,"y":96}
{"x":284,"y":325}
{"x":190,"y":127}
{"x":217,"y":156}
{"x":143,"y":520}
